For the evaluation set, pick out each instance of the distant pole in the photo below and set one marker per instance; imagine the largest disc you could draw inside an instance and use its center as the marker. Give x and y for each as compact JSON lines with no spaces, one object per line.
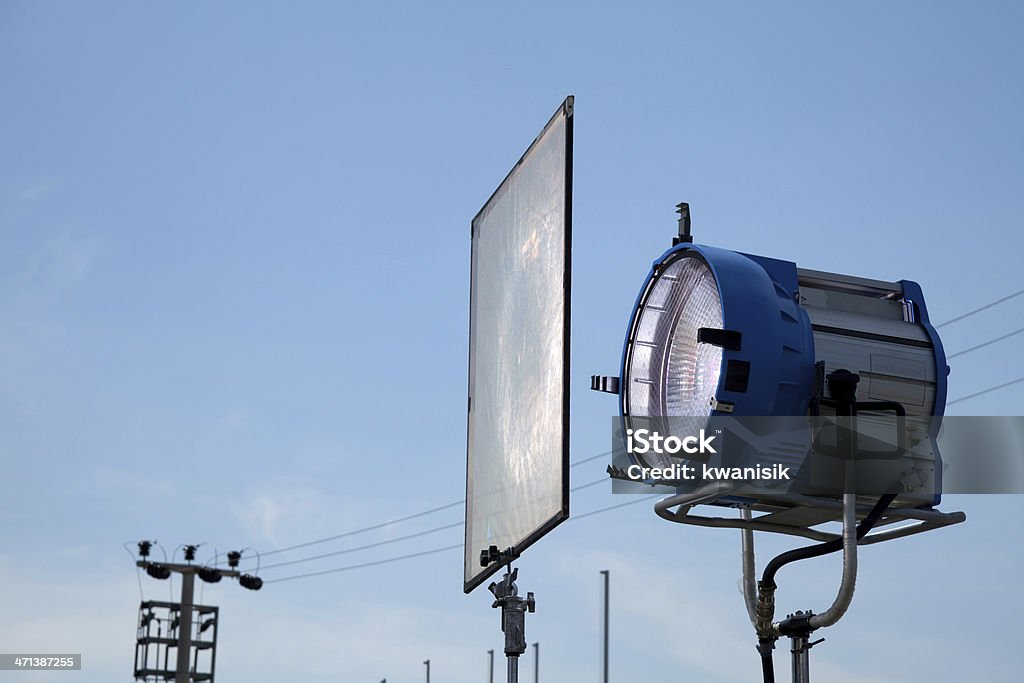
{"x":536,"y":661}
{"x":490,"y":677}
{"x":162,"y":571}
{"x":605,"y":573}
{"x":427,"y":662}
{"x":188,"y":582}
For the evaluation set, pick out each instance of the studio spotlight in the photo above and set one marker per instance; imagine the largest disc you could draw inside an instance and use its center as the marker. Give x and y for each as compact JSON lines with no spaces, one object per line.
{"x":716,"y":333}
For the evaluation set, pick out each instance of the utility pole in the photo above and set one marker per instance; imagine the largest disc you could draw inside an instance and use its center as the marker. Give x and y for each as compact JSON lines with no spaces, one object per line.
{"x":490,"y":677}
{"x":427,"y":662}
{"x":536,"y":661}
{"x":605,"y":573}
{"x":188,"y":579}
{"x":188,"y":571}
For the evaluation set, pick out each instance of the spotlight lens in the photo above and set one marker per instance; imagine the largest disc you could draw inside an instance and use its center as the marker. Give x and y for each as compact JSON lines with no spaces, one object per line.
{"x":692,"y":372}
{"x":668,"y":373}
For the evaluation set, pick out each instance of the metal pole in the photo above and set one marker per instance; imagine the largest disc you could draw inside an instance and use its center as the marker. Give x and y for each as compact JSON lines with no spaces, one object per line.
{"x":605,"y":573}
{"x":513,"y":669}
{"x":490,"y":677}
{"x":801,"y":659}
{"x":182,"y":674}
{"x":427,"y":662}
{"x":536,"y":662}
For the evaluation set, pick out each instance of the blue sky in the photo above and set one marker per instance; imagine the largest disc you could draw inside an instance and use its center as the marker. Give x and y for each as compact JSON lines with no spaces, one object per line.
{"x":234,"y":296}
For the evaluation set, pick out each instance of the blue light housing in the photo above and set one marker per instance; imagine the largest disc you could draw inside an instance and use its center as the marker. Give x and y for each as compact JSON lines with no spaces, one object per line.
{"x":717,"y":332}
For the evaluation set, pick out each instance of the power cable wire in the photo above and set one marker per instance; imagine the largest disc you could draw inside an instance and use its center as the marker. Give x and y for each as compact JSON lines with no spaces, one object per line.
{"x":365,"y":529}
{"x":138,"y":570}
{"x":410,"y":556}
{"x":415,"y":515}
{"x":984,"y":344}
{"x":366,"y":564}
{"x":980,"y":309}
{"x":366,"y":547}
{"x":985,"y":391}
{"x":399,"y":539}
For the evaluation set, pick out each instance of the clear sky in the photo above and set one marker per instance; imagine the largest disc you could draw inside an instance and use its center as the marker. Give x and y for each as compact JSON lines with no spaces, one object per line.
{"x":234,"y":271}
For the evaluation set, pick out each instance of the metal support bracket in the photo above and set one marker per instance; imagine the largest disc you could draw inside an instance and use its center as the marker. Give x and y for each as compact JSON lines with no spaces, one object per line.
{"x":513,"y":616}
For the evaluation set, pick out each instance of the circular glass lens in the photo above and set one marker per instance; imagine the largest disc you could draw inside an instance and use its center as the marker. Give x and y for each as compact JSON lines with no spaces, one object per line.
{"x":668,"y":373}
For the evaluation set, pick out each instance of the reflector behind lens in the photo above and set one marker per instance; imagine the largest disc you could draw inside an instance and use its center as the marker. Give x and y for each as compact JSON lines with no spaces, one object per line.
{"x":669,"y":373}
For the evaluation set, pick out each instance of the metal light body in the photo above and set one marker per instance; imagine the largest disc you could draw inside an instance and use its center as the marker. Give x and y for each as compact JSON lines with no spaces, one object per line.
{"x":716,"y":332}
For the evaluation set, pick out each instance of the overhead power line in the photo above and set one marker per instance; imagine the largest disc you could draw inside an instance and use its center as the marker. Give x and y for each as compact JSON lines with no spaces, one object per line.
{"x":588,"y":484}
{"x":397,"y":520}
{"x":980,"y":309}
{"x":984,"y":344}
{"x":366,"y":564}
{"x":432,"y":551}
{"x":593,"y":457}
{"x":367,"y":546}
{"x":363,"y":530}
{"x":985,"y":391}
{"x":399,"y":539}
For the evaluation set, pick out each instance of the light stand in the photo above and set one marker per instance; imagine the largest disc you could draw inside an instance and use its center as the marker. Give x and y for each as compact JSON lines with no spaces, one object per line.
{"x":513,"y":608}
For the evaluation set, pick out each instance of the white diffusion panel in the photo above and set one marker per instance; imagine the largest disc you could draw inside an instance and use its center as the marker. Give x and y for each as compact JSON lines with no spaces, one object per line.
{"x":517,"y":452}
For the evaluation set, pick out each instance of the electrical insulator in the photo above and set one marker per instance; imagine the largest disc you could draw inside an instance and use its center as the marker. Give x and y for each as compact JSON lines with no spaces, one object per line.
{"x":253,"y":583}
{"x":158,"y":571}
{"x":190,"y":552}
{"x":233,"y":557}
{"x":144,"y":547}
{"x":209,"y":575}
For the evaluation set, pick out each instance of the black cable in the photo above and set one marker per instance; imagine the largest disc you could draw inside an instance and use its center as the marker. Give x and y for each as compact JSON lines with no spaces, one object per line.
{"x":807,"y":552}
{"x":767,"y":664}
{"x":979,"y":310}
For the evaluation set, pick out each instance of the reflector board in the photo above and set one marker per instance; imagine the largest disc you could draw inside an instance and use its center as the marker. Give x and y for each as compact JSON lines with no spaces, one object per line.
{"x":517,"y":464}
